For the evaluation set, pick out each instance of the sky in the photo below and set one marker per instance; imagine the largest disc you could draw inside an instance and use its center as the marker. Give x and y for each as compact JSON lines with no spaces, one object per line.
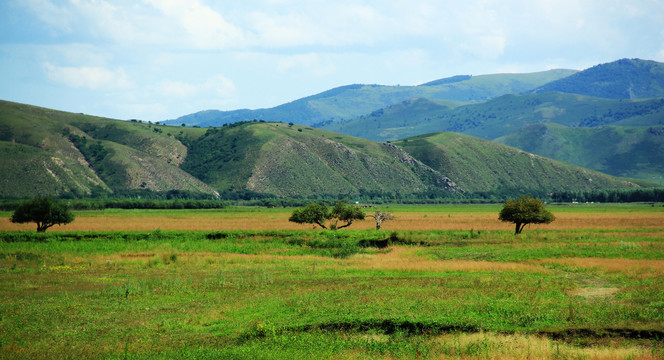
{"x":160,"y":59}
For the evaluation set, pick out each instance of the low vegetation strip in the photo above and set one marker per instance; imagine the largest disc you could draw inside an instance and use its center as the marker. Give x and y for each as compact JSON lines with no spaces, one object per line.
{"x":410,"y":328}
{"x":590,"y":335}
{"x":619,"y":217}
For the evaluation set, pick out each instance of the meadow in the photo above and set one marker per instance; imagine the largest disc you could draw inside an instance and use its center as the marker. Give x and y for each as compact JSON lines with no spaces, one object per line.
{"x":447,"y":281}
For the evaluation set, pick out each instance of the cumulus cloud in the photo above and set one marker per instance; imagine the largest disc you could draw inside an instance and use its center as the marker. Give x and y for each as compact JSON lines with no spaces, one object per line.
{"x":94,"y":78}
{"x":203,"y":26}
{"x":179,"y":23}
{"x":219,"y":85}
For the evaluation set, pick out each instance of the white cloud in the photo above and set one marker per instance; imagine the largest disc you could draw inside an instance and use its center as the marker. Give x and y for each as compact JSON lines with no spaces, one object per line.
{"x":220,"y":85}
{"x":283,"y":30}
{"x":57,"y":17}
{"x":94,"y":78}
{"x":203,"y":26}
{"x":310,"y":64}
{"x":319,"y":23}
{"x":179,"y":23}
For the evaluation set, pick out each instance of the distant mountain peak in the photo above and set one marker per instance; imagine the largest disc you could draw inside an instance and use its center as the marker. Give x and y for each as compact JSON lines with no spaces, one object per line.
{"x":621,"y":79}
{"x":448,"y":80}
{"x":351,"y":101}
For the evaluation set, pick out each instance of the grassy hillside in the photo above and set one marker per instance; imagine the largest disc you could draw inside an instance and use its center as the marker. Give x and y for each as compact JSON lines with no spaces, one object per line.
{"x":405,"y":119}
{"x":51,"y":152}
{"x":351,"y":101}
{"x":635,"y":152}
{"x":288,"y":160}
{"x":28,"y":171}
{"x":54,"y":152}
{"x":478,"y":165}
{"x":500,"y":116}
{"x":622,"y":79}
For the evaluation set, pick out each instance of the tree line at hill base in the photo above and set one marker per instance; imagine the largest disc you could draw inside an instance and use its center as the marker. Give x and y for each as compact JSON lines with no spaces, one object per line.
{"x":188,"y":200}
{"x":611,"y":196}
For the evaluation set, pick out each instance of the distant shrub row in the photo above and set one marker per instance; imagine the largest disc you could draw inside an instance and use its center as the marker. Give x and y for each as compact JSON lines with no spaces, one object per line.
{"x":185,"y":200}
{"x":612,"y":196}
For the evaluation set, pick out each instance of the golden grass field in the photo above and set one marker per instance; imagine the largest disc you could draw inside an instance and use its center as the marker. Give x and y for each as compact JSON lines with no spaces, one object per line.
{"x":435,"y":218}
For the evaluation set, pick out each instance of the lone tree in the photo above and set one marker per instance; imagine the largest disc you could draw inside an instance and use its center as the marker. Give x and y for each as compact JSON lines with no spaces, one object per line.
{"x":45,"y":211}
{"x":380,"y":216}
{"x":523,"y":211}
{"x":319,"y":213}
{"x":311,"y":214}
{"x":346,"y":213}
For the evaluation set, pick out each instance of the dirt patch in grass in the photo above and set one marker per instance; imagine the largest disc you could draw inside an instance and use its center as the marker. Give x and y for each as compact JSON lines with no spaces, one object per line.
{"x":594,"y":292}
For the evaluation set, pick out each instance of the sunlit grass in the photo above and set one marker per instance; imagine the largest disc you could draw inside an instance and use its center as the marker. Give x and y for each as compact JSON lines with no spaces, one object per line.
{"x":549,"y":293}
{"x":407,"y":218}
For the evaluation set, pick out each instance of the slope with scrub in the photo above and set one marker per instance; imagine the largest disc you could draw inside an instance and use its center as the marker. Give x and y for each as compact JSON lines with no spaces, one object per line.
{"x":478,"y":165}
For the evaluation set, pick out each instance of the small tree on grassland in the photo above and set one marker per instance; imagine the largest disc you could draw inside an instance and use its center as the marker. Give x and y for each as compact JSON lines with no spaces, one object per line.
{"x":44,"y":211}
{"x":380,"y":216}
{"x":523,"y":211}
{"x":319,"y":213}
{"x":346,"y":213}
{"x":311,"y":214}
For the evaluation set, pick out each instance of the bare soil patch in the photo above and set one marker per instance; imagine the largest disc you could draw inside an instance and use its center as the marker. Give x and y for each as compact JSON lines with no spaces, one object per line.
{"x":595,"y":292}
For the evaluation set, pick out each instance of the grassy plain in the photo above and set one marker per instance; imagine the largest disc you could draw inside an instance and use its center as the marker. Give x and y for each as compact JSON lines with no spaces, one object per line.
{"x":244,"y":283}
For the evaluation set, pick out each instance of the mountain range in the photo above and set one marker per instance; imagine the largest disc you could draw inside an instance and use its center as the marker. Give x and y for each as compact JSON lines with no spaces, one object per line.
{"x":429,"y":140}
{"x":625,"y":93}
{"x":45,"y":151}
{"x":351,"y":101}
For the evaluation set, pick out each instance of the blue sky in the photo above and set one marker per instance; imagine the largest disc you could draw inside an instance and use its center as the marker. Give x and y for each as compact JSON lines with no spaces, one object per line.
{"x":161,"y":59}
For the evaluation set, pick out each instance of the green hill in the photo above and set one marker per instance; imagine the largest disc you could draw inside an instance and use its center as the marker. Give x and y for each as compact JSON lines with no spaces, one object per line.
{"x":500,"y":116}
{"x":622,"y":79}
{"x":285,"y":160}
{"x":296,"y":160}
{"x":351,"y":101}
{"x":635,"y":152}
{"x":478,"y":165}
{"x":408,"y":118}
{"x":44,"y":151}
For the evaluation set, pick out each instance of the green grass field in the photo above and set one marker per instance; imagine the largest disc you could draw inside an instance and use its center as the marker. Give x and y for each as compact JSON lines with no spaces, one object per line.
{"x":586,"y":292}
